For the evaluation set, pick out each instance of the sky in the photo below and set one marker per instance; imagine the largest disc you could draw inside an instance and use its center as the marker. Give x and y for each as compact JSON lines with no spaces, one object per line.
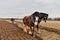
{"x":21,"y":8}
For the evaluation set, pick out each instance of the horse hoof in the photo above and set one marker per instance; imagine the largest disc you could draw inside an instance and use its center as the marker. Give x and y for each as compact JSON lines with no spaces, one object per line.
{"x":39,"y":32}
{"x":30,"y":32}
{"x":25,"y":31}
{"x":33,"y":35}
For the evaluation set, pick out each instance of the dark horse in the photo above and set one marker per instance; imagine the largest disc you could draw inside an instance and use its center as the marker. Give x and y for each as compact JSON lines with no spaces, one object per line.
{"x":33,"y":20}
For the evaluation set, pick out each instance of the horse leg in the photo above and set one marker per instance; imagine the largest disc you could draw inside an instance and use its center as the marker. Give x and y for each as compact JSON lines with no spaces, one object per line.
{"x":33,"y":31}
{"x":24,"y":29}
{"x":30,"y":31}
{"x":38,"y":29}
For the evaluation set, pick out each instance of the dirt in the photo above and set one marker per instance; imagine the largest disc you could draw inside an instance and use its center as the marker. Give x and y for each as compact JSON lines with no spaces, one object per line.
{"x":49,"y":31}
{"x":9,"y":31}
{"x":50,"y":34}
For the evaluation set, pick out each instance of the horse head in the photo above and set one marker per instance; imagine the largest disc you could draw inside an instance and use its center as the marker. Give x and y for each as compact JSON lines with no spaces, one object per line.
{"x":43,"y":16}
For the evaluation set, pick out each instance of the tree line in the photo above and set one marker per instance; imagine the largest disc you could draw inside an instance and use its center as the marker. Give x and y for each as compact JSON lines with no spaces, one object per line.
{"x":57,"y":19}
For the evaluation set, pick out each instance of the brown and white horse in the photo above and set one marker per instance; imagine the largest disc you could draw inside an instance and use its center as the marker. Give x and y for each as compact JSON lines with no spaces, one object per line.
{"x":27,"y":23}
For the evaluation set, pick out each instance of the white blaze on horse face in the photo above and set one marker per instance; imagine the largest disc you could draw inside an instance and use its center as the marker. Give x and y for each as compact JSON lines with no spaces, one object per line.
{"x":36,"y":20}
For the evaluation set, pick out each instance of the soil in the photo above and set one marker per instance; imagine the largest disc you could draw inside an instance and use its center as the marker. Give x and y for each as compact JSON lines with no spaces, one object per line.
{"x":9,"y":31}
{"x":49,"y":31}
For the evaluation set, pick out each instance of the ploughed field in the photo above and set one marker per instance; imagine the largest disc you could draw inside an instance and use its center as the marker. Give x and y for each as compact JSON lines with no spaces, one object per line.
{"x":9,"y":31}
{"x":49,"y":31}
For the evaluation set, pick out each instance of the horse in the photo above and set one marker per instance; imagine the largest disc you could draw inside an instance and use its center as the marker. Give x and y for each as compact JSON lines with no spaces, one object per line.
{"x":34,"y":20}
{"x":27,"y":22}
